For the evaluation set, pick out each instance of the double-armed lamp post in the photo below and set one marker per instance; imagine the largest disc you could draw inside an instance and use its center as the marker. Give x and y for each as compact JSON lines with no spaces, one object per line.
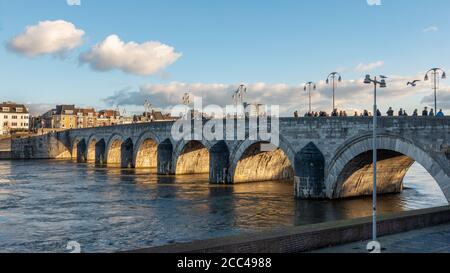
{"x":435,"y":73}
{"x":333,"y":77}
{"x":382,"y":84}
{"x":308,"y":87}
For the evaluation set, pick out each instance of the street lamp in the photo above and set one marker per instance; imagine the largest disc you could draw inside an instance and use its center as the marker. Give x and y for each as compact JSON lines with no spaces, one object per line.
{"x":333,"y":77}
{"x":382,"y":84}
{"x":435,"y":74}
{"x":238,"y":95}
{"x":308,"y":87}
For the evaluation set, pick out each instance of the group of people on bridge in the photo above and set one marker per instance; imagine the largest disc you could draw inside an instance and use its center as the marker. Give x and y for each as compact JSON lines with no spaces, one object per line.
{"x":365,"y":113}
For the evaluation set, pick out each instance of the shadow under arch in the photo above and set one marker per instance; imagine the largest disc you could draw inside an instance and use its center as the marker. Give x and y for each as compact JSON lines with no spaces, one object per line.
{"x":353,"y":164}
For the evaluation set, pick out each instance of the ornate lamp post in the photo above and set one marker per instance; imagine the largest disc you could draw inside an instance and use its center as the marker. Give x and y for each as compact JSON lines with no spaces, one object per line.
{"x":308,"y":87}
{"x":434,"y":72}
{"x":382,"y":84}
{"x":332,"y":77}
{"x":238,"y":95}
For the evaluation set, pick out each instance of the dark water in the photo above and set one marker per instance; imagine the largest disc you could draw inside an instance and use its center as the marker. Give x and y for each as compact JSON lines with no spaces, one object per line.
{"x":45,"y":204}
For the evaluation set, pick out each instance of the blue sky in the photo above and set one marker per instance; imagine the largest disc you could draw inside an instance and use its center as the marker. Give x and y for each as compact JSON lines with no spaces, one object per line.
{"x":273,"y":46}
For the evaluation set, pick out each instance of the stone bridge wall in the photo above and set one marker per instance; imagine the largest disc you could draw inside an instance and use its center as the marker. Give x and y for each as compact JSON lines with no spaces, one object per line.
{"x":330,"y":157}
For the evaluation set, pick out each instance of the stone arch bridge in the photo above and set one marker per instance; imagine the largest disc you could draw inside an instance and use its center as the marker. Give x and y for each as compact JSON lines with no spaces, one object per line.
{"x":327,"y":157}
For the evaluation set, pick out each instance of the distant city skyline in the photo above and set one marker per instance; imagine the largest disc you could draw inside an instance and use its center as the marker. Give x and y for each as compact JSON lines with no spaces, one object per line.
{"x":103,"y":54}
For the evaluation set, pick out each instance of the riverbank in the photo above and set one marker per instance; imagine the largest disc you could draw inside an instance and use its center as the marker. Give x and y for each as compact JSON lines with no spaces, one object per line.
{"x":312,"y":237}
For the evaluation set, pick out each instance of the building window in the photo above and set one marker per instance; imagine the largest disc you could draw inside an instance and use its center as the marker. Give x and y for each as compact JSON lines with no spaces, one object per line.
{"x":19,"y":110}
{"x":5,"y":116}
{"x":5,"y":109}
{"x":14,"y":117}
{"x":14,"y":124}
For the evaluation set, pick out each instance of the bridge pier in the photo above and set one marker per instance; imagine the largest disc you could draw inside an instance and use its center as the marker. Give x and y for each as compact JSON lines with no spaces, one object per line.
{"x":310,"y":173}
{"x":81,"y":152}
{"x":126,"y":154}
{"x":100,"y":152}
{"x":165,"y":158}
{"x":219,"y":164}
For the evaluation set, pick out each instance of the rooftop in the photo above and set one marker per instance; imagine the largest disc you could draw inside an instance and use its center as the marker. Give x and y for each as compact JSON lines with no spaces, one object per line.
{"x":11,"y":107}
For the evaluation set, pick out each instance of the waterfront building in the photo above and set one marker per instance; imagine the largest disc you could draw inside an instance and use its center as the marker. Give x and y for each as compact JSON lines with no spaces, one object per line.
{"x":86,"y":118}
{"x":108,"y":118}
{"x":13,"y":118}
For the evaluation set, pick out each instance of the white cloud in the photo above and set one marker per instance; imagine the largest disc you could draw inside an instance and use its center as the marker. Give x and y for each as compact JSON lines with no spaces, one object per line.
{"x":431,"y":29}
{"x":374,"y":2}
{"x":443,"y":99}
{"x":368,"y":67}
{"x":141,"y":59}
{"x":47,"y":37}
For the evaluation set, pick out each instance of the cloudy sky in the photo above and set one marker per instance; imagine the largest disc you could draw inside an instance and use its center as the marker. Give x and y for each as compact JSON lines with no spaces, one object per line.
{"x":106,"y":53}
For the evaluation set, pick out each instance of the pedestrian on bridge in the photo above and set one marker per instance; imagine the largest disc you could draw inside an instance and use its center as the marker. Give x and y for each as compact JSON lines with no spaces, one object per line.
{"x":390,"y":112}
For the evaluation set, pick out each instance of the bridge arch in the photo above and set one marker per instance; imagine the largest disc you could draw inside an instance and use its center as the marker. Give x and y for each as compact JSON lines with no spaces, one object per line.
{"x":79,"y":150}
{"x":192,"y":157}
{"x":350,"y":171}
{"x":91,"y":143}
{"x":145,"y":154}
{"x":249,"y":164}
{"x":119,"y":151}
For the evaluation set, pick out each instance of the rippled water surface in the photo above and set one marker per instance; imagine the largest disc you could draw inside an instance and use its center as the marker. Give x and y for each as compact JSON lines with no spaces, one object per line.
{"x":45,"y":204}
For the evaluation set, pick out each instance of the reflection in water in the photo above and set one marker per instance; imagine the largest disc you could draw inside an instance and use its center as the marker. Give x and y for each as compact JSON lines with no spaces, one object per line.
{"x":45,"y":204}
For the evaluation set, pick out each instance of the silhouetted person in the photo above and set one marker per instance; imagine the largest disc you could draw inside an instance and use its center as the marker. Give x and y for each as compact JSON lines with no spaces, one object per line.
{"x":296,"y":114}
{"x":416,"y":113}
{"x":425,"y":112}
{"x":400,"y":113}
{"x":404,"y":113}
{"x":366,"y":114}
{"x":440,"y":114}
{"x":378,"y":113}
{"x":431,"y":112}
{"x":334,"y":113}
{"x":356,"y":114}
{"x":390,"y":112}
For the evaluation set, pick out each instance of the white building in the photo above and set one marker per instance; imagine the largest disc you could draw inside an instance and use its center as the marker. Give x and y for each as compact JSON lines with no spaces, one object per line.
{"x":13,"y":117}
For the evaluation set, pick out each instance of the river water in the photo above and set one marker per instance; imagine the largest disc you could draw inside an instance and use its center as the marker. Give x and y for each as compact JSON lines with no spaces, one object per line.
{"x":46,"y":204}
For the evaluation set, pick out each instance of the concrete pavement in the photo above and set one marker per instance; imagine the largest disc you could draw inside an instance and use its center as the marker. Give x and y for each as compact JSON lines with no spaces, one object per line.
{"x":428,"y":240}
